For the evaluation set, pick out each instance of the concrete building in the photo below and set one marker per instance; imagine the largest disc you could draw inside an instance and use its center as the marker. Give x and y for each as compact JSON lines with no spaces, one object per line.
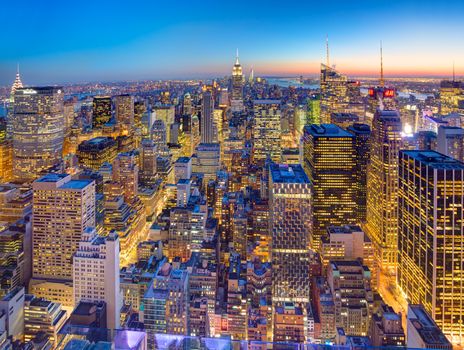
{"x":96,"y":273}
{"x":290,"y":227}
{"x":56,"y":233}
{"x":423,"y":332}
{"x":430,"y":231}
{"x":37,"y":131}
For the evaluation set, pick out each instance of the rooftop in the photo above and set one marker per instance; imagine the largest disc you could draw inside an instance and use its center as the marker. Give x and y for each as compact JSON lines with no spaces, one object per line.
{"x":326,"y":130}
{"x":76,"y":184}
{"x":288,"y":173}
{"x":434,"y":159}
{"x":425,"y":326}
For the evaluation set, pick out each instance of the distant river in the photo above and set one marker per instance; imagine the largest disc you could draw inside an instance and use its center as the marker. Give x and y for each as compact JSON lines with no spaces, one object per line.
{"x":286,"y":82}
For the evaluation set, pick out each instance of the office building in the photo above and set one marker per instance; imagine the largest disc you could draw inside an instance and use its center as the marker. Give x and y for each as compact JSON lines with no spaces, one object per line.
{"x":56,"y":233}
{"x":124,"y":111}
{"x":350,"y":284}
{"x":451,"y":96}
{"x":95,"y":152}
{"x":207,"y":160}
{"x":207,"y":127}
{"x":450,"y":141}
{"x":148,"y":155}
{"x":12,"y":313}
{"x":423,"y":332}
{"x":334,"y":96}
{"x":96,"y":273}
{"x":361,"y":133}
{"x":42,"y":316}
{"x":330,"y":161}
{"x":37,"y":131}
{"x":385,"y":328}
{"x":266,"y":130}
{"x":126,"y":174}
{"x":101,"y":109}
{"x":290,"y":225}
{"x":382,"y":189}
{"x":236,"y":100}
{"x":347,"y":243}
{"x":166,"y":114}
{"x":430,"y":236}
{"x":182,"y":169}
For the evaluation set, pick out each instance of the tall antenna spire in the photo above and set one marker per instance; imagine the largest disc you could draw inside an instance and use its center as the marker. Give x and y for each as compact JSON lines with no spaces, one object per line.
{"x":17,"y":68}
{"x":327,"y":50}
{"x":236,"y":57}
{"x":454,"y":73}
{"x":382,"y":80}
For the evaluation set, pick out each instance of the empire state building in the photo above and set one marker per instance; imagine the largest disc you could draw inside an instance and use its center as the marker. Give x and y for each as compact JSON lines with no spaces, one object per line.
{"x":237,"y":87}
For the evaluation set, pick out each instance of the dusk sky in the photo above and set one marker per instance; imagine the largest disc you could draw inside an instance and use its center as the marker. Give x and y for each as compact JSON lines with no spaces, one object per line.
{"x":76,"y":41}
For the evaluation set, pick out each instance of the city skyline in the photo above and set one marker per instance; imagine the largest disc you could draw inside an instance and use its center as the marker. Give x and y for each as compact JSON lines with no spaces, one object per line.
{"x":160,"y":41}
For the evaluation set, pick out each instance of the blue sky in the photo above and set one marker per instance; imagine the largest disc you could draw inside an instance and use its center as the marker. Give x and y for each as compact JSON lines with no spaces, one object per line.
{"x":64,"y":41}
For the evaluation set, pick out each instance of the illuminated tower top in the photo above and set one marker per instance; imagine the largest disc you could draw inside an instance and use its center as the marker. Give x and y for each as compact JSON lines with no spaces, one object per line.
{"x":237,"y":70}
{"x":17,"y":83}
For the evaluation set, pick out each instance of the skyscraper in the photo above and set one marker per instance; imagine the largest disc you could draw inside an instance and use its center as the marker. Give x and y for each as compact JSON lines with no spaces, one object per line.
{"x":361,"y":133}
{"x":330,"y":162}
{"x":266,"y":130}
{"x":96,"y":273}
{"x":62,"y":209}
{"x":207,"y":106}
{"x":450,"y":141}
{"x":382,"y":188}
{"x":237,"y":86}
{"x":290,"y":225}
{"x":124,"y":111}
{"x":431,"y":236}
{"x":38,"y":131}
{"x":334,"y":98}
{"x":101,"y":111}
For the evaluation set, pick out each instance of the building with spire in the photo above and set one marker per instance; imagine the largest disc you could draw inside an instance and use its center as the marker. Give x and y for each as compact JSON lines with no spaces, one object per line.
{"x":381,"y":96}
{"x":16,"y":85}
{"x":237,"y":86}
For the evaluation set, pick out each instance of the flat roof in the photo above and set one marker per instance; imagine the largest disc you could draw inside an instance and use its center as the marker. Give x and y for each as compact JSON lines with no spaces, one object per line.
{"x":326,"y":130}
{"x":183,"y":160}
{"x":435,"y":159}
{"x":288,"y":173}
{"x":425,"y":326}
{"x":52,"y":177}
{"x":76,"y":184}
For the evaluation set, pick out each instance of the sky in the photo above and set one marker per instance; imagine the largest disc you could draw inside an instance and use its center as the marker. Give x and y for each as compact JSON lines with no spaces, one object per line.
{"x":78,"y":41}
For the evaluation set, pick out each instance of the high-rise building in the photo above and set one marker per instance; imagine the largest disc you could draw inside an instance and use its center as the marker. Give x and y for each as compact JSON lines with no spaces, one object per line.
{"x":267,"y":130}
{"x":382,"y":188}
{"x":165,"y":113}
{"x":166,"y":303}
{"x":101,"y":111}
{"x":423,"y":332}
{"x":334,"y":97}
{"x":148,"y":156}
{"x":385,"y":327}
{"x":95,"y":152}
{"x":96,"y":273}
{"x":207,"y":107}
{"x":126,"y":173}
{"x":37,"y":130}
{"x":6,"y":154}
{"x":347,"y":243}
{"x":207,"y":160}
{"x":124,"y":111}
{"x":236,"y":100}
{"x":350,"y":283}
{"x":290,"y":225}
{"x":451,"y":96}
{"x":431,"y":236}
{"x":361,"y":133}
{"x":56,"y":233}
{"x":450,"y":141}
{"x":330,"y":162}
{"x":42,"y":316}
